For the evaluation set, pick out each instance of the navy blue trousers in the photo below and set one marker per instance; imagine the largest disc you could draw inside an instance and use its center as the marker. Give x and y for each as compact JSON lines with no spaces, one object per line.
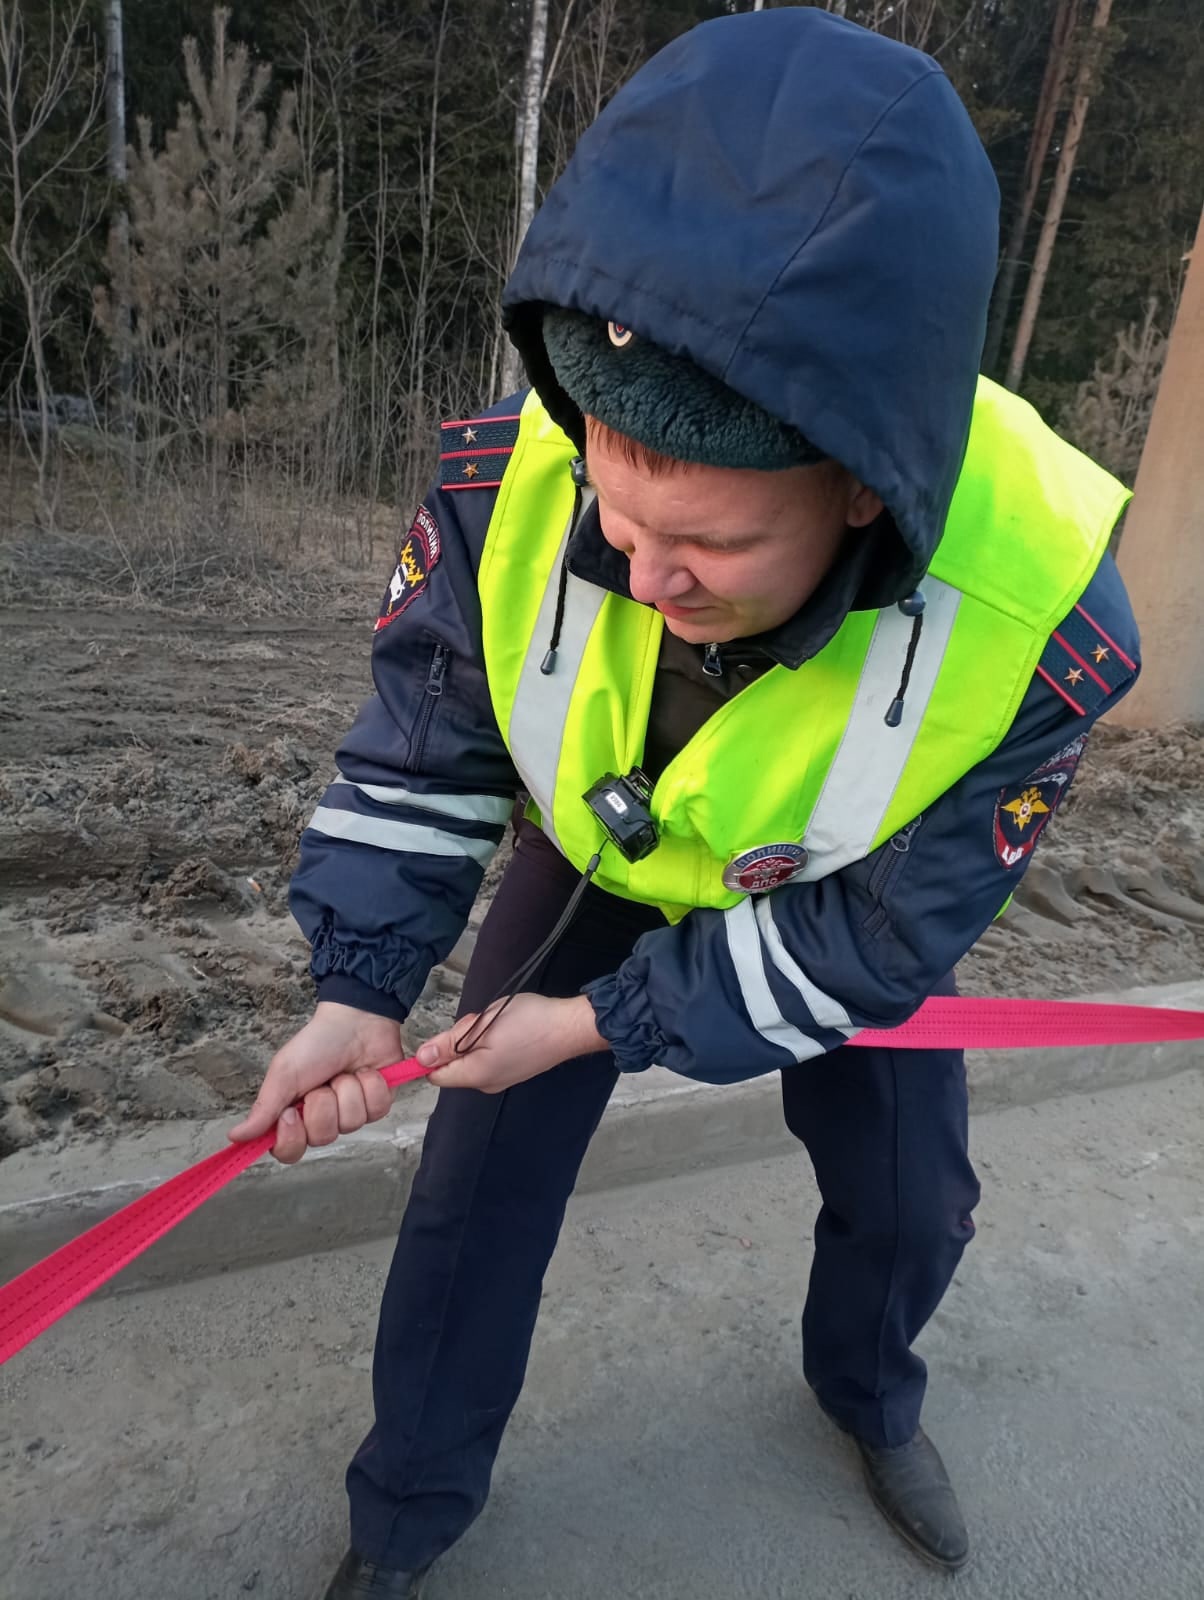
{"x":886,"y":1133}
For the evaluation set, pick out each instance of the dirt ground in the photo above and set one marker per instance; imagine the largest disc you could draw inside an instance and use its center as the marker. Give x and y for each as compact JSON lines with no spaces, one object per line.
{"x":157,"y":767}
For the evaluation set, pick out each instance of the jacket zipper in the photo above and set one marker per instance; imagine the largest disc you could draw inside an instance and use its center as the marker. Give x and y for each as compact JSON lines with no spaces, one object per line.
{"x":712,"y":661}
{"x":433,"y":690}
{"x":891,"y":860}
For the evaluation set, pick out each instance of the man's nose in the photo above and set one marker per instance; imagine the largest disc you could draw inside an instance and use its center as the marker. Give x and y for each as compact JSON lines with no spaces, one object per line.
{"x":656,"y":575}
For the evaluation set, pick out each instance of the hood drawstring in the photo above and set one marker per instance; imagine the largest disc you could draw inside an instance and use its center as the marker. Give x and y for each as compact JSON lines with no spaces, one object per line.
{"x":912,"y":606}
{"x":548,"y":664}
{"x":580,"y":481}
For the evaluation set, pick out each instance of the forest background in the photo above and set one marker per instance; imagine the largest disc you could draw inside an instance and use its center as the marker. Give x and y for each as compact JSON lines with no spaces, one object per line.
{"x":249,"y":259}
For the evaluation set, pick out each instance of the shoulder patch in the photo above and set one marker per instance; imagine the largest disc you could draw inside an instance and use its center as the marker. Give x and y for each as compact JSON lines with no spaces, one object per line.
{"x":419,"y":555}
{"x":1023,"y":810}
{"x":473,"y":454}
{"x":1083,"y":664}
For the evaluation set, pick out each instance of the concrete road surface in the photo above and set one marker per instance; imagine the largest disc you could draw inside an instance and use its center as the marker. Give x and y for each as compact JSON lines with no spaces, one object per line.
{"x":189,"y":1444}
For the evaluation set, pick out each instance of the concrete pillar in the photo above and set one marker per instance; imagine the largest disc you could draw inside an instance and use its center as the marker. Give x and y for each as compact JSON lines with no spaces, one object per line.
{"x":1162,"y":551}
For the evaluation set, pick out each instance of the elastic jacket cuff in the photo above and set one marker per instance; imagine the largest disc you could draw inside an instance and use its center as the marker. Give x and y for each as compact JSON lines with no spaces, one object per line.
{"x":345,"y":991}
{"x":622,"y":1017}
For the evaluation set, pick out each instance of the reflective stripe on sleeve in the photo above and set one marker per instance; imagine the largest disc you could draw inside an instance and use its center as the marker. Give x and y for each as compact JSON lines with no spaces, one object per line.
{"x":745,"y":947}
{"x":467,"y":807}
{"x":827,"y":1011}
{"x":391,"y":833}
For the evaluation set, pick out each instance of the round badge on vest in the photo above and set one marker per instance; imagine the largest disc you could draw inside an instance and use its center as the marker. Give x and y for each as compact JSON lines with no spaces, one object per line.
{"x":767,"y":867}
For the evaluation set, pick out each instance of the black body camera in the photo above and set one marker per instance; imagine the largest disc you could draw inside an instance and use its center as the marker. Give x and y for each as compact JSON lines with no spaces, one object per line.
{"x":621,"y":806}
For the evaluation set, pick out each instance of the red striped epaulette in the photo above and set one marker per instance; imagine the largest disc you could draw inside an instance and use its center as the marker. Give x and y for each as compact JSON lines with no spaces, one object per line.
{"x":473,"y":454}
{"x":1084,"y":664}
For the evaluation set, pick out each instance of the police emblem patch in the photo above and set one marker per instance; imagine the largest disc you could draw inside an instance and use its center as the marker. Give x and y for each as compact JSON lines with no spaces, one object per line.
{"x":419,"y":554}
{"x":767,"y":867}
{"x":1023,"y":811}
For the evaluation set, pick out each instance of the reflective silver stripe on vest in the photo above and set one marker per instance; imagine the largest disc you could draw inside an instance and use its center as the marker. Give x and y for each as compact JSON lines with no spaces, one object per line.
{"x":391,"y":833}
{"x":745,"y":947}
{"x":469,"y":807}
{"x":540,"y":711}
{"x":871,"y":757}
{"x":827,"y":1011}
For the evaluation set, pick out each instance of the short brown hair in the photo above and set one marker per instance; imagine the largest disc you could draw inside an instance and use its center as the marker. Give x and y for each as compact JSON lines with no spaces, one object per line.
{"x":632,"y":451}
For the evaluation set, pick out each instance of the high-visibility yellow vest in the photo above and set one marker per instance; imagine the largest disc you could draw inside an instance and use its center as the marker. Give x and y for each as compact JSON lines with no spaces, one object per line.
{"x":798,"y":757}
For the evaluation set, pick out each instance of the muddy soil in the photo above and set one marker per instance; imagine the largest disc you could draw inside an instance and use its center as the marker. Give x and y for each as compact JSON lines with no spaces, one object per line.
{"x":156,"y":771}
{"x":157,"y":768}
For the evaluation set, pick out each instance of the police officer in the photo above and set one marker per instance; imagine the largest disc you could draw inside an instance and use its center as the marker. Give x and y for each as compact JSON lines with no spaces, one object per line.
{"x":818,"y":621}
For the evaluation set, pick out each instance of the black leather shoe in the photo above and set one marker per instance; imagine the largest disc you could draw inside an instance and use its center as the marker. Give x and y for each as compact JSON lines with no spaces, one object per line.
{"x":358,"y":1579}
{"x":911,"y":1488}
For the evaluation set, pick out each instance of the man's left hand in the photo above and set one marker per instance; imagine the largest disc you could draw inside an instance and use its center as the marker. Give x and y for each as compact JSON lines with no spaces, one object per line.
{"x":533,"y":1035}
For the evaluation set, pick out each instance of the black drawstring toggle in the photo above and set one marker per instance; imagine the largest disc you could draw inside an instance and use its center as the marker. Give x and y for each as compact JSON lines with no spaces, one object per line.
{"x":912,"y":606}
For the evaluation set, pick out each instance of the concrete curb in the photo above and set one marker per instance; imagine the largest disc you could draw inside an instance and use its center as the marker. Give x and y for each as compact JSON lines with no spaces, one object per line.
{"x":657,"y":1125}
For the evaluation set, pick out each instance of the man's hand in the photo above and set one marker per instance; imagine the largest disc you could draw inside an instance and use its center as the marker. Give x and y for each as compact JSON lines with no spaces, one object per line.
{"x":333,"y":1063}
{"x":533,"y":1035}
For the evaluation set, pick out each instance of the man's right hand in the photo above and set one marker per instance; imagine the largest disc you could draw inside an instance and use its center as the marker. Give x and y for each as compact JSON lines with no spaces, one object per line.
{"x":331,"y":1066}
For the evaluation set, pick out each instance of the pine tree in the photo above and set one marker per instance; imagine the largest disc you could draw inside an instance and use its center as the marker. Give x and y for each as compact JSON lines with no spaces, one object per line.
{"x":234,"y":267}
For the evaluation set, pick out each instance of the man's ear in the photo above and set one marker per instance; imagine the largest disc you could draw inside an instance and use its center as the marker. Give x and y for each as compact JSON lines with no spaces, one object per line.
{"x":864,"y":505}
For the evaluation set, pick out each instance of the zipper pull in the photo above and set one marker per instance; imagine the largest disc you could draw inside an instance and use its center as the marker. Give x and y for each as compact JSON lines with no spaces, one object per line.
{"x":712,"y":661}
{"x":434,"y":678}
{"x":902,"y":840}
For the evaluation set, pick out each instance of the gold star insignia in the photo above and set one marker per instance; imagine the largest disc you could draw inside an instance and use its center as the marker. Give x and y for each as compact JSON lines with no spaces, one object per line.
{"x":1029,"y":805}
{"x":471,"y":470}
{"x":470,"y":436}
{"x":1075,"y":675}
{"x":1100,"y":654}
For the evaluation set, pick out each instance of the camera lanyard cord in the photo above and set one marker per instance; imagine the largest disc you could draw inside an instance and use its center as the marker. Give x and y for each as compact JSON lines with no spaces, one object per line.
{"x":531,"y":969}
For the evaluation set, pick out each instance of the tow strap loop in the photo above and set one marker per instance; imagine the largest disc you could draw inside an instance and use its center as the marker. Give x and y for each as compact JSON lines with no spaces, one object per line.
{"x":37,"y":1298}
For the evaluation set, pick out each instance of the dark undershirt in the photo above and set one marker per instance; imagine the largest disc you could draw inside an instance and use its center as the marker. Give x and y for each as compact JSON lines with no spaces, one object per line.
{"x":684,"y":696}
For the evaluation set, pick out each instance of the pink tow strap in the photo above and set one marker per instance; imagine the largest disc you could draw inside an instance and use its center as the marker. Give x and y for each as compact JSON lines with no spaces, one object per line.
{"x":951,"y":1023}
{"x":36,"y":1299}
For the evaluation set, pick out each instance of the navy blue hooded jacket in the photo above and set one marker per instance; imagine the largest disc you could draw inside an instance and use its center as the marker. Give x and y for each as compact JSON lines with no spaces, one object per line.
{"x":803,"y":209}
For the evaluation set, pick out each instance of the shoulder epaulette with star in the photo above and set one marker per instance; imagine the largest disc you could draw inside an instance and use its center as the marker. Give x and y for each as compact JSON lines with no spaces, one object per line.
{"x":473,"y":454}
{"x":1084,"y":664}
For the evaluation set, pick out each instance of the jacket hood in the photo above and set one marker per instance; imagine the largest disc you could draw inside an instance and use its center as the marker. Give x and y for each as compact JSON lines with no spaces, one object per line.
{"x":802,"y":208}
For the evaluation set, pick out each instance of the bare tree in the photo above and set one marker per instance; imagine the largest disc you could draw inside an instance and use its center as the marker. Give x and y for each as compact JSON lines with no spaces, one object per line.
{"x":1053,"y":83}
{"x":1083,"y":84}
{"x":43,"y":148}
{"x":358,"y":59}
{"x":596,"y":51}
{"x":422,"y":423}
{"x":120,"y":246}
{"x":532,"y":106}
